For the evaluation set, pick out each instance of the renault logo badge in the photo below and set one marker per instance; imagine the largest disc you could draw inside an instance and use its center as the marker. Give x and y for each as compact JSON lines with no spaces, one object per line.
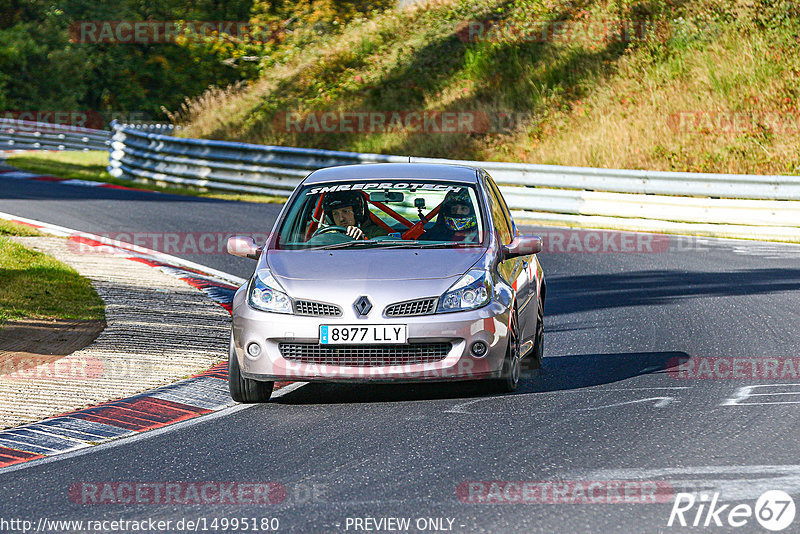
{"x":362,"y":305}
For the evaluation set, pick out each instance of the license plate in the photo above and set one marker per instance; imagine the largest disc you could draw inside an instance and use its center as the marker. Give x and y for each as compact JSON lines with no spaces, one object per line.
{"x":358,"y":334}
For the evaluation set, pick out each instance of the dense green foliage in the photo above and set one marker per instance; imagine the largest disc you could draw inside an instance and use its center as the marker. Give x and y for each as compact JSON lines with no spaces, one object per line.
{"x":42,"y":69}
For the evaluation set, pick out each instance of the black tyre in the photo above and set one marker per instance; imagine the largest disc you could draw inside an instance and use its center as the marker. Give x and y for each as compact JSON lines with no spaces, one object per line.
{"x":538,"y":344}
{"x":243,"y":389}
{"x":509,"y":380}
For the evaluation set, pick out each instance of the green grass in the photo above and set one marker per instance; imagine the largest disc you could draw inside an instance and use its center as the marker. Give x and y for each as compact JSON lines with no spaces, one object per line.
{"x":581,"y":101}
{"x":35,"y":285}
{"x":70,"y":165}
{"x":91,"y":166}
{"x":12,"y":228}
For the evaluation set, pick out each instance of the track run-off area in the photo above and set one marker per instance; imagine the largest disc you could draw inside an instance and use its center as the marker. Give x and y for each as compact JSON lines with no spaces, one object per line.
{"x":671,"y":367}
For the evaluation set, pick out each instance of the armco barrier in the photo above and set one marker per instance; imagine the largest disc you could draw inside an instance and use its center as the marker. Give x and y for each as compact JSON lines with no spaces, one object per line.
{"x":724,"y":205}
{"x":28,"y":135}
{"x":221,"y":165}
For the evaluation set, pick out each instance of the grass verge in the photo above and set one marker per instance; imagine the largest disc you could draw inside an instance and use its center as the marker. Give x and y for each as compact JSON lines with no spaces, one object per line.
{"x":36,"y":285}
{"x":12,"y":228}
{"x":91,"y":166}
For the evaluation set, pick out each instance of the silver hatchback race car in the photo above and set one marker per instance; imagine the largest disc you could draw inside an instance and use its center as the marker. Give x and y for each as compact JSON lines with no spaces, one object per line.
{"x":388,"y":272}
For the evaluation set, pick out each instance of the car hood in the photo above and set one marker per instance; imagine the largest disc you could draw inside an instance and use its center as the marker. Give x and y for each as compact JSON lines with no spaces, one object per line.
{"x":376,"y":264}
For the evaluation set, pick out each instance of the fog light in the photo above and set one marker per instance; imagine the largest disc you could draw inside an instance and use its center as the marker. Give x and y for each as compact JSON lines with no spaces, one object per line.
{"x":254,"y":349}
{"x":479,"y":349}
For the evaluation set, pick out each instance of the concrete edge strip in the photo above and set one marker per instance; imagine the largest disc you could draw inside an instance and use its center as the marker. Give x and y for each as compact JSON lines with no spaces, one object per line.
{"x":185,"y":400}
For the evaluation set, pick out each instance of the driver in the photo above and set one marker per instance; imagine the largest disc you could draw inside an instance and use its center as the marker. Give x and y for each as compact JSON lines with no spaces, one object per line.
{"x":457,"y":220}
{"x":348,"y":209}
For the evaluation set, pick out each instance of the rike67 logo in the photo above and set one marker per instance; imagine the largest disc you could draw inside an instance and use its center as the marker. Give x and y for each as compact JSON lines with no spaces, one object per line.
{"x":774,"y":510}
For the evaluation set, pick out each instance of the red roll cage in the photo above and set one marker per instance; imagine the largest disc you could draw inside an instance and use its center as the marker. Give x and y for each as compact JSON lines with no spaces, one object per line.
{"x":413,"y":230}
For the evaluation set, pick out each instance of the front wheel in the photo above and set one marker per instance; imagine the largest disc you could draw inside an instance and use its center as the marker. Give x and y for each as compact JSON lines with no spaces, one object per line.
{"x":243,"y":389}
{"x":509,"y":380}
{"x":538,"y":344}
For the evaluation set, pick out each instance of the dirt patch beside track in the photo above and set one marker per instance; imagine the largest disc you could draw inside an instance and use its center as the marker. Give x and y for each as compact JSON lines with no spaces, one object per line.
{"x":27,"y":343}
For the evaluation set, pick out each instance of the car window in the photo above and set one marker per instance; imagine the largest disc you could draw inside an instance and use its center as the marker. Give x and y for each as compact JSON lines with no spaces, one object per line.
{"x":506,"y":211}
{"x":390,"y":212}
{"x":499,"y":217}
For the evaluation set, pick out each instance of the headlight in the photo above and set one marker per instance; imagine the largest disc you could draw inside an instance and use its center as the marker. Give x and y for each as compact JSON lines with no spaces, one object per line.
{"x":473,"y":290}
{"x":264,"y":294}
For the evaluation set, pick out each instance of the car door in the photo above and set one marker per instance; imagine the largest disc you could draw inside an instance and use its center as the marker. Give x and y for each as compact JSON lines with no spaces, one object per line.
{"x":515,"y":271}
{"x":526,"y":286}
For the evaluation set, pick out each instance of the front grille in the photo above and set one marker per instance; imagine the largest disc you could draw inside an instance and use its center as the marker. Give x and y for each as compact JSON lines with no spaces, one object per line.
{"x":365,"y":355}
{"x":316,"y":309}
{"x":412,"y":307}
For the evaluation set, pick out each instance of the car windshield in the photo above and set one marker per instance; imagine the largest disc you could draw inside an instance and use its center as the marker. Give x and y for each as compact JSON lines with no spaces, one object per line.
{"x":383,"y":214}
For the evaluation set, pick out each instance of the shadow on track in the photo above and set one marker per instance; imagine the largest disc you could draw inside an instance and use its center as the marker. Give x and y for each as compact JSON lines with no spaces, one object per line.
{"x":558,"y":373}
{"x":587,"y":370}
{"x":574,"y":294}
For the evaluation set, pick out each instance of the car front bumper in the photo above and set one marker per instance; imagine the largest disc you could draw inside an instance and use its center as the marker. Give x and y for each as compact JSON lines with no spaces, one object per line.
{"x":460,"y":329}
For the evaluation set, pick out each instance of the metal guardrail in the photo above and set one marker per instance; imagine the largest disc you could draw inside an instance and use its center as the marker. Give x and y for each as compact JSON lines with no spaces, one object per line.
{"x":151,"y":127}
{"x":221,"y":165}
{"x":729,"y":205}
{"x":29,"y":135}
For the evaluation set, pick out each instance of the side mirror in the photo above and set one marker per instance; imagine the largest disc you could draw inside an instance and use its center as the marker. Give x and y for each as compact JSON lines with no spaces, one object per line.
{"x":523,"y":245}
{"x":244,"y":247}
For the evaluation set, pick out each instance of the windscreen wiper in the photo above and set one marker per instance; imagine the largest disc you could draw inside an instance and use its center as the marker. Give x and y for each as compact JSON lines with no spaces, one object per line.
{"x":433,"y":244}
{"x":346,"y":244}
{"x":396,"y":243}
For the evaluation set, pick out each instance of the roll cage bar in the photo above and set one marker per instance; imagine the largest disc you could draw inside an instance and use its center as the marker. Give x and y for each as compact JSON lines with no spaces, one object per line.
{"x":413,"y":230}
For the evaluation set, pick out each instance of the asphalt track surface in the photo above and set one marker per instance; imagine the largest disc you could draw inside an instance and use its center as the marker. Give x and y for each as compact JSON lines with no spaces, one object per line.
{"x":607,"y":406}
